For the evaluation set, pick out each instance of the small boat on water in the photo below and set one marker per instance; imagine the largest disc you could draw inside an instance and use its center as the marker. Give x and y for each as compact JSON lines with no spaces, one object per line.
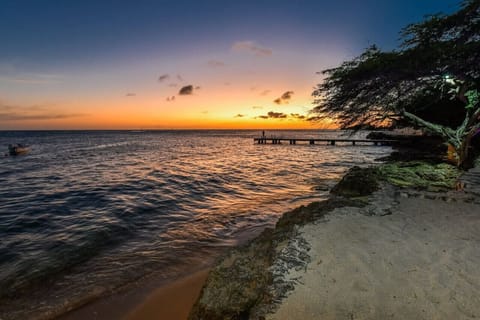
{"x":17,"y":149}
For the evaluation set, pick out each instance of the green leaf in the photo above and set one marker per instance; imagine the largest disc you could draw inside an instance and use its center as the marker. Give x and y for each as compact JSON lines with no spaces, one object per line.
{"x":472,"y":98}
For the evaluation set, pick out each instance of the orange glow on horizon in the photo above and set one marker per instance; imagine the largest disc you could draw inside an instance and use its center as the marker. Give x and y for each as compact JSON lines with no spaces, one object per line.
{"x":153,"y":118}
{"x":218,"y":106}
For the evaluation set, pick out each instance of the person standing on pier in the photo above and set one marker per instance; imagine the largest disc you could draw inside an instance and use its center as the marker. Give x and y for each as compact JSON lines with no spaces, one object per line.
{"x":263,"y":134}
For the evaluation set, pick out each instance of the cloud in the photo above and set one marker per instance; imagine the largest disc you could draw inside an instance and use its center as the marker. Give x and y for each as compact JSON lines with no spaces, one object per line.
{"x":273,"y":115}
{"x":265,"y":92}
{"x":257,"y":107}
{"x":281,"y":115}
{"x":285,"y":98}
{"x":251,"y":47}
{"x":131,"y":94}
{"x":227,"y":83}
{"x":239,"y":115}
{"x":186,"y":90}
{"x":171,"y":98}
{"x":197,"y":88}
{"x":173,"y":85}
{"x":163,"y":77}
{"x":216,"y":64}
{"x":205,"y":112}
{"x":315,"y":118}
{"x":14,"y":113}
{"x":297,"y":116}
{"x":6,"y":108}
{"x":33,"y":78}
{"x":276,"y":115}
{"x":179,"y":78}
{"x":287,"y":95}
{"x":54,"y":116}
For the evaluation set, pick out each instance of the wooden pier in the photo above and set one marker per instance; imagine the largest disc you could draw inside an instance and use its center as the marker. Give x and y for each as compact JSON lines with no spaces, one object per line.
{"x":327,"y":141}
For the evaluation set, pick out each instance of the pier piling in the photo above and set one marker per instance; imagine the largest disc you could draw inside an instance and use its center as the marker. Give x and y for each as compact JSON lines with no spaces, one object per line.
{"x":329,"y":141}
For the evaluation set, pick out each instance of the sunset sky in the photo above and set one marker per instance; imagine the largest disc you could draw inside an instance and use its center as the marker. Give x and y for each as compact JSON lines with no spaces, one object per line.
{"x":182,"y":64}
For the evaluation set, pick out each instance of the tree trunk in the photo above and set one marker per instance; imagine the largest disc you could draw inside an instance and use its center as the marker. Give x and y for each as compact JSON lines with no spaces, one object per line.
{"x":465,"y":161}
{"x":460,"y":139}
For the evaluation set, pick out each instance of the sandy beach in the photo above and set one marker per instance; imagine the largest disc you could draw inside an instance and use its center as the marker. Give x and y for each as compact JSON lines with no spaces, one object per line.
{"x":396,"y":253}
{"x":420,"y":262}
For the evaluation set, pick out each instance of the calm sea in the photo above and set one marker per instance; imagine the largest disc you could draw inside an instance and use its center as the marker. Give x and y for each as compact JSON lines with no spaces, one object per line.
{"x":91,"y":211}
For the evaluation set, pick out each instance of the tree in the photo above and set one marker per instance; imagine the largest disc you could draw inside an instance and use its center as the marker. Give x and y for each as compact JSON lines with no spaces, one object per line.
{"x":438,"y":59}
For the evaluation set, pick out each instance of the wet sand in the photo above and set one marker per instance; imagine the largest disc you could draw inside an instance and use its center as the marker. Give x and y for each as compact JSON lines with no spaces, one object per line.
{"x":172,"y":301}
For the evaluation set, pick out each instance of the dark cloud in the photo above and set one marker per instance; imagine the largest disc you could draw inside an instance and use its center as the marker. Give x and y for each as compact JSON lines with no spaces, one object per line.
{"x":287,"y":95}
{"x":285,"y":98}
{"x":276,"y":115}
{"x":197,"y":88}
{"x":171,"y":98}
{"x":250,"y":46}
{"x":264,"y":92}
{"x":216,"y":64}
{"x":239,"y":115}
{"x":297,"y":116}
{"x":131,"y":94}
{"x":186,"y":90}
{"x":314,"y":118}
{"x":163,"y":77}
{"x":281,"y":115}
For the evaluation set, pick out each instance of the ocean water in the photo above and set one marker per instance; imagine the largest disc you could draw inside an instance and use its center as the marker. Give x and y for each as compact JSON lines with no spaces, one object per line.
{"x":87,"y":212}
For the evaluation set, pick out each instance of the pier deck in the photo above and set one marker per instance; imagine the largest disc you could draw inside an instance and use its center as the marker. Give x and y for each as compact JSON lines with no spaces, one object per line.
{"x":328,"y":141}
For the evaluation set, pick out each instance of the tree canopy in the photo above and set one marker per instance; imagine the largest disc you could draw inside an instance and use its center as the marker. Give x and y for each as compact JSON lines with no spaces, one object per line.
{"x":375,"y":87}
{"x":435,"y":71}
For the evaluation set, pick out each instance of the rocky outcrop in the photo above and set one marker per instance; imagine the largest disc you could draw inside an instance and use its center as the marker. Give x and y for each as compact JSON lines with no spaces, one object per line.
{"x":420,"y":175}
{"x":238,"y":282}
{"x":357,"y":182}
{"x":250,"y":281}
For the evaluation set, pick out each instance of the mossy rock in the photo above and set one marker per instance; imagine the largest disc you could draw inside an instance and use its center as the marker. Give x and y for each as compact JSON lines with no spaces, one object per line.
{"x":420,"y":175}
{"x":237,"y":282}
{"x":358,"y":182}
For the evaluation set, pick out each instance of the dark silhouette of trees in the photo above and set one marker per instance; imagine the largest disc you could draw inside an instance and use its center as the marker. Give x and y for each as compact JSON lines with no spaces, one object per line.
{"x":436,"y":67}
